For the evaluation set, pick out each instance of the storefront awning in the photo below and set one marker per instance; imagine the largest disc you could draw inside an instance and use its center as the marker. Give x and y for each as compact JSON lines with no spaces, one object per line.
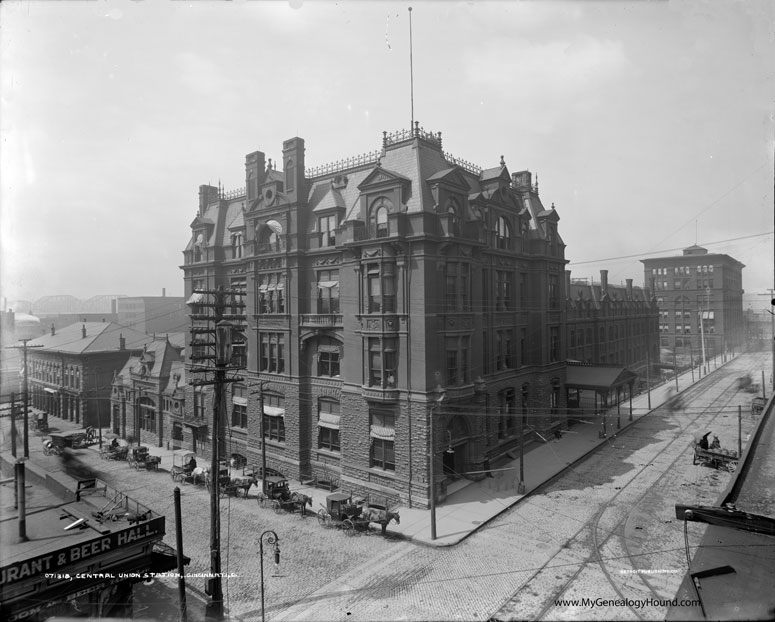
{"x":386,"y":434}
{"x":49,"y":390}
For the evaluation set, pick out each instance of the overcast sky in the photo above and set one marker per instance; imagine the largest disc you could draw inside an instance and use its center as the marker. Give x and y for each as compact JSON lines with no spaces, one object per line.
{"x":649,"y":124}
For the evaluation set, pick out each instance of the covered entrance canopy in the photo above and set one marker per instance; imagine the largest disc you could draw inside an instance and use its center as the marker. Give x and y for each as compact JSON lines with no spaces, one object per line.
{"x":598,"y":378}
{"x":603,"y":380}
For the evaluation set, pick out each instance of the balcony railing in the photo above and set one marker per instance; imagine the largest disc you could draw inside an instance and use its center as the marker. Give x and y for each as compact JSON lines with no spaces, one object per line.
{"x":322,"y":320}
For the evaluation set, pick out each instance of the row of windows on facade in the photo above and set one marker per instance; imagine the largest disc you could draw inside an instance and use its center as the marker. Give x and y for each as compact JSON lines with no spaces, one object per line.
{"x":53,"y":373}
{"x":682,"y":270}
{"x":380,"y":290}
{"x":708,"y":326}
{"x":269,"y":239}
{"x":701,"y":283}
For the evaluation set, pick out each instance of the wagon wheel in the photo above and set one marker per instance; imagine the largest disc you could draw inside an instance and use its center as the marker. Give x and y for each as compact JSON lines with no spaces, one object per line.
{"x":348,"y":527}
{"x":323,"y":518}
{"x":277,"y":506}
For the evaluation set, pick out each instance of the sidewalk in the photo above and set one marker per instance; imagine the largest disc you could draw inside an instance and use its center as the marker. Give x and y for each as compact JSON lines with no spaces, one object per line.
{"x":469,"y":505}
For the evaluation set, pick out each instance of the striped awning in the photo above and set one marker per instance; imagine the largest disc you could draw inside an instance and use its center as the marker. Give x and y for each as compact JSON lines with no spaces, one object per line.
{"x":386,"y":434}
{"x":195,"y":299}
{"x":239,"y":401}
{"x":329,"y":420}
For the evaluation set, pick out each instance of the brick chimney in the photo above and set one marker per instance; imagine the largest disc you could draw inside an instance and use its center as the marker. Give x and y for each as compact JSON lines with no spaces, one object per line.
{"x":121,"y":342}
{"x":603,"y":282}
{"x":53,"y":330}
{"x":83,"y":331}
{"x":629,"y":289}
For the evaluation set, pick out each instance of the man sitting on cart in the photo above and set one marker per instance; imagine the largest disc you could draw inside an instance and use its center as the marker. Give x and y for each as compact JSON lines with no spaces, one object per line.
{"x":704,"y":440}
{"x":114,"y":443}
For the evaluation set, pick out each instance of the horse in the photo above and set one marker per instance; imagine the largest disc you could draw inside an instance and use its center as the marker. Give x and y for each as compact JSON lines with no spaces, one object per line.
{"x":383,"y":517}
{"x":244,"y":483}
{"x":302,"y":500}
{"x":200,"y":473}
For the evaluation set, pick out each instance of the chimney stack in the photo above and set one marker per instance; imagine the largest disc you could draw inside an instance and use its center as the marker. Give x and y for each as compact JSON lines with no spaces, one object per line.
{"x":629,"y":289}
{"x":83,"y":331}
{"x":53,"y":330}
{"x":603,"y":282}
{"x":121,"y":342}
{"x":163,"y":292}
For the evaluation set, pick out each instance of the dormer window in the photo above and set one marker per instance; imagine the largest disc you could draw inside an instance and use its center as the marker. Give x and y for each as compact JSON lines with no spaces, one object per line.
{"x":327,"y":229}
{"x":198,"y":243}
{"x":379,"y":218}
{"x":236,"y":245}
{"x":502,"y":234}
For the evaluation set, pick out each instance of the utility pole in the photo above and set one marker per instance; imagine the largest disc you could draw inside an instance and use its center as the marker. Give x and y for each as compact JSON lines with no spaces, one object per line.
{"x":260,"y":393}
{"x":25,"y":395}
{"x":213,"y":331}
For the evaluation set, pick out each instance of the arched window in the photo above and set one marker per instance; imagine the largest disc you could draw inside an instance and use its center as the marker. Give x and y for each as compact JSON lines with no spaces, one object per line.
{"x":269,"y":237}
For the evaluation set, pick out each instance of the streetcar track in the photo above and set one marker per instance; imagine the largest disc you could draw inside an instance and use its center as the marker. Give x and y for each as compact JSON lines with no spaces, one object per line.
{"x":691,"y":392}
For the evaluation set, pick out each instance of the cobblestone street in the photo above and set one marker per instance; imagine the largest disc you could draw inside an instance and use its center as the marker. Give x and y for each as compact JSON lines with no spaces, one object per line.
{"x":586,"y":534}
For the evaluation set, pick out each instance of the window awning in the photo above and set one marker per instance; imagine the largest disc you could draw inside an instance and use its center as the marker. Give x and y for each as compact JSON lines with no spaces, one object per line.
{"x":329,"y":420}
{"x":273,"y":411}
{"x":49,"y":390}
{"x":327,"y":284}
{"x":263,"y":288}
{"x":274,"y":226}
{"x":239,"y":401}
{"x":386,"y":434}
{"x":195,"y":299}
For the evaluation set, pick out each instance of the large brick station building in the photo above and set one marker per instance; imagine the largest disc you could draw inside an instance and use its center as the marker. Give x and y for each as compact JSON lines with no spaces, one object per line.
{"x":372,"y":285}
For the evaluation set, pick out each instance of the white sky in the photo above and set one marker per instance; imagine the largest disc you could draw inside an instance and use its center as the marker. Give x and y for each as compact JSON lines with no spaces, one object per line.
{"x":649,"y":124}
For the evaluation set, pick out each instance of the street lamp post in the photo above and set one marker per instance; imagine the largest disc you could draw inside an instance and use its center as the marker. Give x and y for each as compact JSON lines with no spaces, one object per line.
{"x":438,"y":397}
{"x":271,"y":538}
{"x":521,"y":485}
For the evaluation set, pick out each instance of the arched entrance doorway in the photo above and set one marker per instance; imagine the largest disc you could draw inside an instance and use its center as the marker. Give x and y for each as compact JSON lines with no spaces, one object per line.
{"x":456,"y":448}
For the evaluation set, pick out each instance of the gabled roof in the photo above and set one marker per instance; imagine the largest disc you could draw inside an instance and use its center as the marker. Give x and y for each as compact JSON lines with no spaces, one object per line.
{"x":100,"y":337}
{"x":497,"y":172}
{"x":332,"y":199}
{"x":451,"y":176}
{"x":380,"y":175}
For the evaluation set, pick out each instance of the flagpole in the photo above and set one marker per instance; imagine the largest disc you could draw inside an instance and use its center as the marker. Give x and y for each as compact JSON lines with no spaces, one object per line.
{"x":411,"y":69}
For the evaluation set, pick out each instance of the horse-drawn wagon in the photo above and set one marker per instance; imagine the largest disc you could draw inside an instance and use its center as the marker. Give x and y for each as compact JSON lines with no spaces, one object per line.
{"x":714,"y":456}
{"x":757,"y":405}
{"x":183,"y":467}
{"x":117,"y":449}
{"x":280,"y":498}
{"x":140,"y":458}
{"x":56,"y":443}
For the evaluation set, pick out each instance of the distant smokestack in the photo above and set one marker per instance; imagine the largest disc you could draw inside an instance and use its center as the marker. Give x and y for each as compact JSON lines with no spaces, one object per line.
{"x":83,"y":331}
{"x":121,"y":342}
{"x":604,"y":282}
{"x":53,"y":330}
{"x":163,"y":292}
{"x":629,"y":289}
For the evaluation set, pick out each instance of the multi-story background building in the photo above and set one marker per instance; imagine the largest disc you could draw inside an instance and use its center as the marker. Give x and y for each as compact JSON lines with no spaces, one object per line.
{"x":153,"y":315}
{"x":375,"y":287}
{"x":147,"y":395}
{"x":700,"y":298}
{"x":70,"y":371}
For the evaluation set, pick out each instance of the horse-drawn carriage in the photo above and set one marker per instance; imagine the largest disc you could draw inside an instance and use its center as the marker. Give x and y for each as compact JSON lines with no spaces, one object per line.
{"x":117,"y":449}
{"x":225,"y":486}
{"x":280,"y":498}
{"x":184,"y":468}
{"x":714,"y":456}
{"x":353,"y":517}
{"x":140,"y":458}
{"x":39,"y":422}
{"x":341,"y":512}
{"x":56,"y":443}
{"x":757,"y":405}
